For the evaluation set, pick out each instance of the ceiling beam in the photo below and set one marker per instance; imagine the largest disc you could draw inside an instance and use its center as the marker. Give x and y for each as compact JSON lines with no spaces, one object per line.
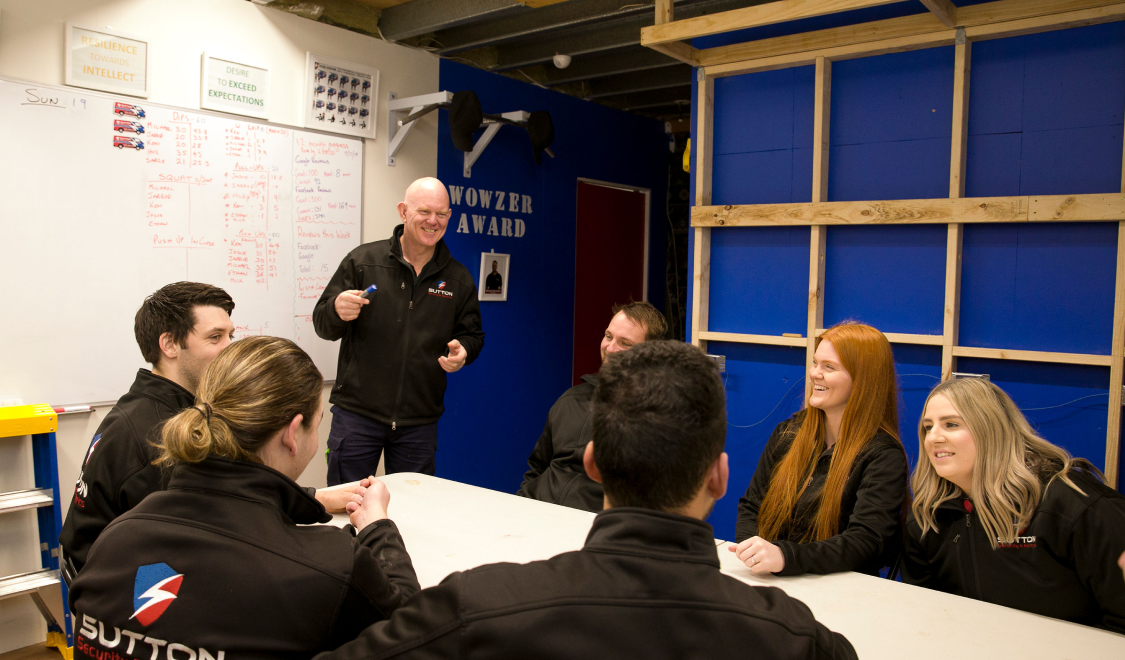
{"x":740,"y":19}
{"x":945,"y":11}
{"x":610,"y":63}
{"x":650,"y":99}
{"x":419,"y":17}
{"x":677,"y":76}
{"x":599,"y":37}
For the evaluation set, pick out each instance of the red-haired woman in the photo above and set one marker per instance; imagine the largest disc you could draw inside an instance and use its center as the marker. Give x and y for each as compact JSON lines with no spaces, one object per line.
{"x":829,"y":491}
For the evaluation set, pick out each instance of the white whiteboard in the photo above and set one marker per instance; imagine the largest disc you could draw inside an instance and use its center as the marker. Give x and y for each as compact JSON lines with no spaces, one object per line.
{"x":88,"y":229}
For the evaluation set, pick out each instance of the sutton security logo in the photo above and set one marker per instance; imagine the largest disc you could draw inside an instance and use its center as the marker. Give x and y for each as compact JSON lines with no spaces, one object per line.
{"x":154,"y":589}
{"x":81,"y":490}
{"x":156,"y":586}
{"x":440,"y":290}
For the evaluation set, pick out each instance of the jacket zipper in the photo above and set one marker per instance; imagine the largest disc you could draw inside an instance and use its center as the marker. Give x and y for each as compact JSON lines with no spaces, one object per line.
{"x":972,"y":556}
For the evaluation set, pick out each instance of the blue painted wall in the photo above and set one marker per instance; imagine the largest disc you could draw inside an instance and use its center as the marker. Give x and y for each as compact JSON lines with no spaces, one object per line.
{"x":496,"y":407}
{"x":1046,"y":115}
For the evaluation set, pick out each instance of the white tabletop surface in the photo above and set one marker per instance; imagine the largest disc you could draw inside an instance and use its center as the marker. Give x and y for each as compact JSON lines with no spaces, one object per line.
{"x":449,"y":526}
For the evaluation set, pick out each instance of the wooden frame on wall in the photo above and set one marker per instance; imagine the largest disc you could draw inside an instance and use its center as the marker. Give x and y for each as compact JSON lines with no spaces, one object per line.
{"x":945,"y":25}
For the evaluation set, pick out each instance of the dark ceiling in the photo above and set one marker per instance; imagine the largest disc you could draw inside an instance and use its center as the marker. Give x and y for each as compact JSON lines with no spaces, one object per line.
{"x":519,"y":40}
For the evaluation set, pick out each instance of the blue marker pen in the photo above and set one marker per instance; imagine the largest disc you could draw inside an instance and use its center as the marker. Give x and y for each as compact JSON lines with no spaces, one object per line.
{"x":370,"y":290}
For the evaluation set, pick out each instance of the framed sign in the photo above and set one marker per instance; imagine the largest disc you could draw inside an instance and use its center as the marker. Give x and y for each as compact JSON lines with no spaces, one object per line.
{"x":106,"y":60}
{"x":234,"y":87}
{"x":340,"y":96}
{"x":493,"y":276}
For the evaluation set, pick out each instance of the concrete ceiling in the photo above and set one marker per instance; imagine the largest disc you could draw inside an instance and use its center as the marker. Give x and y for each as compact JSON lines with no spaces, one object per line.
{"x":519,"y":40}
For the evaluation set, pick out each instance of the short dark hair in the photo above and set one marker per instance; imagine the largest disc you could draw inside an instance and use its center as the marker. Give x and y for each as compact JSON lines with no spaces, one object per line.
{"x":660,"y":421}
{"x":646,"y":316}
{"x":172,"y":309}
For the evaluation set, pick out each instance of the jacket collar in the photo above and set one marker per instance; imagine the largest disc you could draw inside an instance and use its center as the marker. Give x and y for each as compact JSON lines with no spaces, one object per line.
{"x":591,"y":379}
{"x":437,"y":262}
{"x":250,"y":481}
{"x":636,"y":531}
{"x":162,"y":390}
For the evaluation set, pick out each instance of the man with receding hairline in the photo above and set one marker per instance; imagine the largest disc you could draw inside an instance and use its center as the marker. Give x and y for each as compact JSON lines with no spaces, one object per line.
{"x":399,"y":341}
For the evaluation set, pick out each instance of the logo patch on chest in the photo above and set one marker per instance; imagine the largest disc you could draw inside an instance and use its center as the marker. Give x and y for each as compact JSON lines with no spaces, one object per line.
{"x":440,"y":291}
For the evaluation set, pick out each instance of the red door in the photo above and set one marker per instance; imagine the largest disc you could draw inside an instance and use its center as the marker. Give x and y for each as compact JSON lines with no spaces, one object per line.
{"x":610,"y":264}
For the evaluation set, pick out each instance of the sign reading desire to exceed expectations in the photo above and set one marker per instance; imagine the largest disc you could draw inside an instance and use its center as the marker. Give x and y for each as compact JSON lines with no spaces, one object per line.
{"x":229,"y":86}
{"x":106,"y":60}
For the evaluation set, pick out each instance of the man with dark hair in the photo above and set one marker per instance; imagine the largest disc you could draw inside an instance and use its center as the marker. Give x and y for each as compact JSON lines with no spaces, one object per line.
{"x":494,"y":283}
{"x":180,"y":329}
{"x":555,"y":473}
{"x":647,"y":582}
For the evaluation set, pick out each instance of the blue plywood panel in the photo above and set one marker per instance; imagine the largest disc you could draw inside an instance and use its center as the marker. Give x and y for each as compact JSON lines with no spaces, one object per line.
{"x":764,"y":387}
{"x":759,"y":280}
{"x":1043,"y":287}
{"x":1074,"y":78}
{"x":1041,"y":389}
{"x":1071,"y":161}
{"x":919,"y":370}
{"x":802,"y":175}
{"x":890,"y":277}
{"x":764,"y":177}
{"x":992,"y":168}
{"x":913,"y":169}
{"x":902,"y":96}
{"x":804,"y":106}
{"x":996,"y":86}
{"x":754,"y":112}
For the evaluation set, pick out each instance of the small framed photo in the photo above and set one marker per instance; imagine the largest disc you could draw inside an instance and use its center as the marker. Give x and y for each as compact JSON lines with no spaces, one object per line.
{"x":493,"y":276}
{"x":340,"y":96}
{"x":106,"y":60}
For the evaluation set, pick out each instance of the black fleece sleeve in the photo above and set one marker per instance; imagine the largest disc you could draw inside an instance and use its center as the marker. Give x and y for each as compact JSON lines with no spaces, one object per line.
{"x":917,"y":563}
{"x":467,"y":328}
{"x":538,"y":461}
{"x":827,"y":645}
{"x":872,"y":525}
{"x":749,"y":504}
{"x":326,"y":322}
{"x":382,"y":580}
{"x":426,"y":627}
{"x":1097,"y":541}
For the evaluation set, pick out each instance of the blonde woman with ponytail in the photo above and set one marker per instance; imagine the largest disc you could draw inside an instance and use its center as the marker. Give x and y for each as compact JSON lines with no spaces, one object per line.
{"x":226,"y":561}
{"x":1004,"y":516}
{"x":829,"y":491}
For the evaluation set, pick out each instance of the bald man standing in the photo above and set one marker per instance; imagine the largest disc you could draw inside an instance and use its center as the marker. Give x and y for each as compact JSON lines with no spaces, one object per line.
{"x":399,"y":341}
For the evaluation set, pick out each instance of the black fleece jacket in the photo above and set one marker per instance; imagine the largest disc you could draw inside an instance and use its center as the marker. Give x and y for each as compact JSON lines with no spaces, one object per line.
{"x":871,"y":513}
{"x":1064,"y":565}
{"x":388,"y":367}
{"x":646,"y":585}
{"x":555,"y":471}
{"x":117,"y":472}
{"x":253,"y":582}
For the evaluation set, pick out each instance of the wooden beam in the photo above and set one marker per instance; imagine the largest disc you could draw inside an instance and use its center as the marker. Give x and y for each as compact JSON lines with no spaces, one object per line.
{"x":944,"y":10}
{"x":822,"y":106}
{"x":981,"y":22}
{"x":679,"y":50}
{"x":818,"y":241}
{"x":1061,"y":208}
{"x":663,"y":11}
{"x":903,"y":338}
{"x":739,"y":19}
{"x":704,"y":141}
{"x":1033,"y":356}
{"x":766,"y":340}
{"x":962,"y":65}
{"x":895,"y":212}
{"x":1116,"y":367}
{"x":952,"y":315}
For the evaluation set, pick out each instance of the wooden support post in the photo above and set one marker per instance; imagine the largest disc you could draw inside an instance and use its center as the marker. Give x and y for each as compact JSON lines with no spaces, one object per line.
{"x":704,"y":133}
{"x":663,"y":11}
{"x":817,"y":244}
{"x":955,"y":235}
{"x":822,"y":107}
{"x":1117,"y":353}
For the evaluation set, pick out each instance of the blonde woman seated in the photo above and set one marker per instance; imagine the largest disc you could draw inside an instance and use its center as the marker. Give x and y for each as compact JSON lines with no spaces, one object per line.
{"x":1003,"y":516}
{"x":216,"y":565}
{"x":829,"y":491}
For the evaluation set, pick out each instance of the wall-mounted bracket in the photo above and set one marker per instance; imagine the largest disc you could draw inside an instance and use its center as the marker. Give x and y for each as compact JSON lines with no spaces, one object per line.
{"x":491,"y":127}
{"x":411,"y":107}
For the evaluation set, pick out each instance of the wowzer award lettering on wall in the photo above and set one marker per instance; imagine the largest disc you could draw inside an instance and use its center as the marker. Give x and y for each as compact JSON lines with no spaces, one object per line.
{"x":106,"y":60}
{"x":234,"y":87}
{"x":490,"y":212}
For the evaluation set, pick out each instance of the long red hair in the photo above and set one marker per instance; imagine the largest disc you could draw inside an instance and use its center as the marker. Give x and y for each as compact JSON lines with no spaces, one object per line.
{"x":872,"y":408}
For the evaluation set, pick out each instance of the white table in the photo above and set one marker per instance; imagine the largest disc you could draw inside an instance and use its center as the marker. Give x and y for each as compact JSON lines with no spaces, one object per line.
{"x":448,"y":526}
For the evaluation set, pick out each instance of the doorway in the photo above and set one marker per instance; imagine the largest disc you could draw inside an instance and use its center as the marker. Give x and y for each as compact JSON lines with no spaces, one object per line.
{"x":610,"y":264}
